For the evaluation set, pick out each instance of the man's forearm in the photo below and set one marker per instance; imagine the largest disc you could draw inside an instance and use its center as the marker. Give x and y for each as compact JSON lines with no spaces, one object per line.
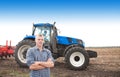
{"x":48,"y":63}
{"x":36,"y":67}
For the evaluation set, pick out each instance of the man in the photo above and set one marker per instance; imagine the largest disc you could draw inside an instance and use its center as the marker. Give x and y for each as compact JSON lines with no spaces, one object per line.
{"x":39,"y":59}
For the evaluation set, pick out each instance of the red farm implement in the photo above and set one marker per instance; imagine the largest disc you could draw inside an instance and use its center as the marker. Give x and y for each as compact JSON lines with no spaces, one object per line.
{"x":6,"y":51}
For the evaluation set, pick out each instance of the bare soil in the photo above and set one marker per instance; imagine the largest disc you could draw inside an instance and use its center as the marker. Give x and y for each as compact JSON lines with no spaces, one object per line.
{"x":107,"y":64}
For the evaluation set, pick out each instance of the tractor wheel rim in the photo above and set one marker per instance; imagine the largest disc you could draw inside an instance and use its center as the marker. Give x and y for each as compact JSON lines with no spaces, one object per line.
{"x":77,"y":59}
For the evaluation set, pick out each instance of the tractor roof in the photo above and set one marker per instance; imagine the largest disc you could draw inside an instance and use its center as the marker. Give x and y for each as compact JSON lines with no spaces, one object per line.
{"x":43,"y":24}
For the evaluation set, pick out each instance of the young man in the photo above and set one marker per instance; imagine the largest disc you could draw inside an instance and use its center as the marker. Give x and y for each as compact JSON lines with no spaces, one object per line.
{"x":39,"y":59}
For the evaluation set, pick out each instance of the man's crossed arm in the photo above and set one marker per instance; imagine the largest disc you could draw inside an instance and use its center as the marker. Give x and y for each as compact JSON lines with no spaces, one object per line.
{"x":41,"y":65}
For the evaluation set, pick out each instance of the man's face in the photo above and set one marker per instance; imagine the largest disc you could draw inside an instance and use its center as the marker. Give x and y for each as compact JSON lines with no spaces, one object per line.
{"x":39,"y":40}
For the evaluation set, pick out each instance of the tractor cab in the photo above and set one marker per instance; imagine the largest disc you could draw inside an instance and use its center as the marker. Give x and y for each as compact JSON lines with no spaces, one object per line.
{"x":41,"y":29}
{"x":49,"y":32}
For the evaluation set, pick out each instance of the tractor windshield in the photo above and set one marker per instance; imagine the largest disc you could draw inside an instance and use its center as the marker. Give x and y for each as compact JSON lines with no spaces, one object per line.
{"x":45,"y":31}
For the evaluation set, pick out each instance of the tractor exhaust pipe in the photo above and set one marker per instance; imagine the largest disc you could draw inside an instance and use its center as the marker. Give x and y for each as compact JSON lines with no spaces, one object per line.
{"x":54,"y":23}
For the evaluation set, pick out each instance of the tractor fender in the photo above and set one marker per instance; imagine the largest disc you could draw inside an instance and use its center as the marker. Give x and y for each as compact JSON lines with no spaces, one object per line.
{"x":70,"y":46}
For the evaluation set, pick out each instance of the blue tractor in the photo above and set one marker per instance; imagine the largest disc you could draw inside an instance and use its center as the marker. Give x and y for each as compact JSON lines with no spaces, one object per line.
{"x":76,"y":57}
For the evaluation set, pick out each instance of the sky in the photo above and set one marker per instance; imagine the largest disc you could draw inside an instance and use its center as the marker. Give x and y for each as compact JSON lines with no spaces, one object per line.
{"x":96,"y":22}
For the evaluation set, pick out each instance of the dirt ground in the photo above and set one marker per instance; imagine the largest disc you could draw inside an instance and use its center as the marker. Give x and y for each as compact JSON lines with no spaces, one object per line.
{"x":107,"y":64}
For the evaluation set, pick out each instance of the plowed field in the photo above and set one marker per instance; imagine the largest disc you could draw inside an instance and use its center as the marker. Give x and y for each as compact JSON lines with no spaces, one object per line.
{"x":107,"y":64}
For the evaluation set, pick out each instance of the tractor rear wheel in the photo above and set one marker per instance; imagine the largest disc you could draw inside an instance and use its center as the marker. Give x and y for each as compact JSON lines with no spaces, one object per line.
{"x":21,"y":50}
{"x":77,"y":58}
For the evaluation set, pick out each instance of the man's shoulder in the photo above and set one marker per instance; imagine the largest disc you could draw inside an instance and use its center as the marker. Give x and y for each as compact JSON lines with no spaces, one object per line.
{"x":32,"y":48}
{"x":47,"y":50}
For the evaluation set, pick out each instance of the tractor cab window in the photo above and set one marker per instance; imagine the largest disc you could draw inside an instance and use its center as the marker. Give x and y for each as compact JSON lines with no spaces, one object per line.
{"x":45,"y":31}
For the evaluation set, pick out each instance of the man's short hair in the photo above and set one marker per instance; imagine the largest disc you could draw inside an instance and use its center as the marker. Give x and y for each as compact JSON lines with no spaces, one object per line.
{"x":40,"y":35}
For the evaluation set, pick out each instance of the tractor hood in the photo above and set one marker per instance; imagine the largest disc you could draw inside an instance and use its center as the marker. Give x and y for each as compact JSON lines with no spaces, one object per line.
{"x":69,"y":40}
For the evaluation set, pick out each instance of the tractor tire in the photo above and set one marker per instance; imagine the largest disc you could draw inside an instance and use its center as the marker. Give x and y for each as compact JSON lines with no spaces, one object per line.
{"x":77,"y":58}
{"x":21,"y":50}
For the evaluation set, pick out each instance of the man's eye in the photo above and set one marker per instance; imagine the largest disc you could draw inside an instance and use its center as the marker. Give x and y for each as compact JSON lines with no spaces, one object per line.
{"x":40,"y":39}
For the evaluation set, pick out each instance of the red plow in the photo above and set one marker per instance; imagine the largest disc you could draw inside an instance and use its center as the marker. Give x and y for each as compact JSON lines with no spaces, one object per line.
{"x":6,"y":51}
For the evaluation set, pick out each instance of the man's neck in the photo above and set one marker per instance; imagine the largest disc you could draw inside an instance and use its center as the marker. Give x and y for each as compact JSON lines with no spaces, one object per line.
{"x":40,"y":48}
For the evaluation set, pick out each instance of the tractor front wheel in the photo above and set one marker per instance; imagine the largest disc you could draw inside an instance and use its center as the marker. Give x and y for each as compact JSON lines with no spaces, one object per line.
{"x":77,"y":58}
{"x":21,"y":50}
